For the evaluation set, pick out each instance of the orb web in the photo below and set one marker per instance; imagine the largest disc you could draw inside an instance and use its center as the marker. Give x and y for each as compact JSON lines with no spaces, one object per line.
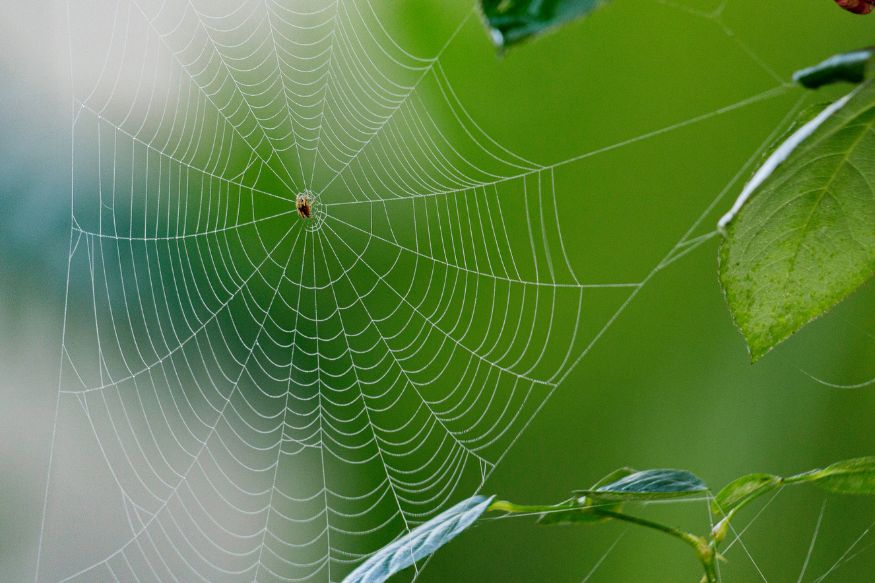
{"x":274,"y":397}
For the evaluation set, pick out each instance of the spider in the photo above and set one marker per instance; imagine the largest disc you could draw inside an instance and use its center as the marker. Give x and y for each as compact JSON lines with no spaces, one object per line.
{"x":304,"y":205}
{"x":857,"y":6}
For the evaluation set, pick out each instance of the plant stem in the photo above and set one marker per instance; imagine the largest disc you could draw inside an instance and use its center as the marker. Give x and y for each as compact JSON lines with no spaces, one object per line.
{"x":511,"y":508}
{"x":703,"y":550}
{"x":688,"y":538}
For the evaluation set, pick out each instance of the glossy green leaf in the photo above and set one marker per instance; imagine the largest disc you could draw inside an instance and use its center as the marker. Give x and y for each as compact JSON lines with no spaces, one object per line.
{"x":649,"y":485}
{"x":512,"y":21}
{"x":855,"y":476}
{"x":801,"y":236}
{"x":741,"y":491}
{"x":420,"y":542}
{"x":852,"y":67}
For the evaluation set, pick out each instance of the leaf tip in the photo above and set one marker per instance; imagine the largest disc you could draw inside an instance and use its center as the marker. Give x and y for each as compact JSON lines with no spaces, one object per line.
{"x":756,"y":353}
{"x":851,"y":67}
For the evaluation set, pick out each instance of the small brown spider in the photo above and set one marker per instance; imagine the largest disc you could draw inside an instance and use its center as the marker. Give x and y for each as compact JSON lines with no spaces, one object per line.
{"x":304,"y":205}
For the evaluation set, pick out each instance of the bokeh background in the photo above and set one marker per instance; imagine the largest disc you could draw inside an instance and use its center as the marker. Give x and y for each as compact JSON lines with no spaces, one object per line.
{"x":667,"y":385}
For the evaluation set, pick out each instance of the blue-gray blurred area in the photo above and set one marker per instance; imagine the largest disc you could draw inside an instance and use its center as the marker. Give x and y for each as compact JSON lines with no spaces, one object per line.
{"x":146,"y":178}
{"x":34,"y":239}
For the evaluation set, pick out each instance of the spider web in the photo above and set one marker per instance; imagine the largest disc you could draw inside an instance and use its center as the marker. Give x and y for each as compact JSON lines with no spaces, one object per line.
{"x":274,"y":398}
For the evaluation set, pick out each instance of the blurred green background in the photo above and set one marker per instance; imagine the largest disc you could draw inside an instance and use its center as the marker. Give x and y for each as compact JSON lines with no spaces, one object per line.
{"x":667,"y":385}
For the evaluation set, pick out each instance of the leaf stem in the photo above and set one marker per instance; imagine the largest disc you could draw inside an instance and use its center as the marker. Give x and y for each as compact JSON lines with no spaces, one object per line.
{"x":511,"y":508}
{"x":703,"y":549}
{"x":687,"y":537}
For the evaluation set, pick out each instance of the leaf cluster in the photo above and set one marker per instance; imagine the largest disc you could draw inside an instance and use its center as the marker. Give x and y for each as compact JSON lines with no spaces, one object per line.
{"x":605,"y":501}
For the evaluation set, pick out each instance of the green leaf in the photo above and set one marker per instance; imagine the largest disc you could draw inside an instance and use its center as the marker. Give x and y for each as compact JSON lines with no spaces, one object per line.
{"x":855,"y":476}
{"x":852,"y":67}
{"x":649,"y":485}
{"x":741,"y":491}
{"x":420,"y":542}
{"x":574,"y":513}
{"x":512,"y":21}
{"x":801,"y":237}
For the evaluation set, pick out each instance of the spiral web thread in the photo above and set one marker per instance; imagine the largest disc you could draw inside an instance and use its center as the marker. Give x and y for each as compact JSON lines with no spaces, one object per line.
{"x":274,"y":398}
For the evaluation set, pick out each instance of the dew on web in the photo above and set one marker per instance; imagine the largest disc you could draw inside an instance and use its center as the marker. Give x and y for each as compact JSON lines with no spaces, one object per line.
{"x":320,"y":301}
